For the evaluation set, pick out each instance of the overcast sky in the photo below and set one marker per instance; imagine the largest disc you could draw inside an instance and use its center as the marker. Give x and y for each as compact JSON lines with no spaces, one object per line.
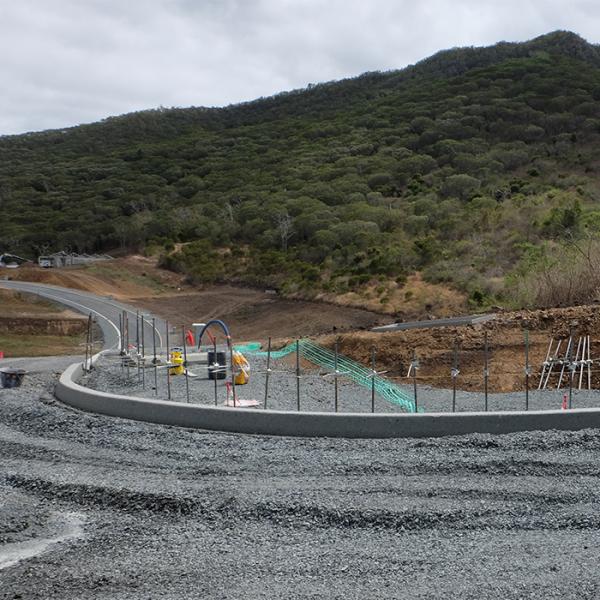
{"x":65,"y":62}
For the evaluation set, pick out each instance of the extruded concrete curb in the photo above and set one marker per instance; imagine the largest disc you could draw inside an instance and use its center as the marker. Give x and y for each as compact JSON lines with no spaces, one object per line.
{"x":314,"y":424}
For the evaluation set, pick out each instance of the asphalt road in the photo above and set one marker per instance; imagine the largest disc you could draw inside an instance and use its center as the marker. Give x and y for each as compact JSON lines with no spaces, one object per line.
{"x":105,"y":310}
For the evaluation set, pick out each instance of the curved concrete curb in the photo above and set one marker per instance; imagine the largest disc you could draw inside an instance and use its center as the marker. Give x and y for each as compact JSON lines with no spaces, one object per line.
{"x":314,"y":424}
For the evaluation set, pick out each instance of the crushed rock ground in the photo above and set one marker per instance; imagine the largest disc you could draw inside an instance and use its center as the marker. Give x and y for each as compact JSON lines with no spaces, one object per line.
{"x":174,"y":513}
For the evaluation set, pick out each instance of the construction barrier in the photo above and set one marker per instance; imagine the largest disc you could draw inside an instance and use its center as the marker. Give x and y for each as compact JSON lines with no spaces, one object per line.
{"x":346,"y":367}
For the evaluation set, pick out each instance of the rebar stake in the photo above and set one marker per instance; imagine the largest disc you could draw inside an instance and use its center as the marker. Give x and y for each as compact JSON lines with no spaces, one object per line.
{"x":486,"y":372}
{"x":414,"y":366}
{"x":137,"y":344}
{"x":143,"y":354}
{"x":121,"y":338}
{"x":373,"y":373}
{"x":216,"y":369}
{"x":298,"y":375}
{"x":154,"y":356}
{"x":185,"y":365}
{"x":127,"y":344}
{"x":454,"y":373}
{"x":527,"y":369}
{"x":168,"y":369}
{"x":233,"y":390}
{"x":268,"y":372}
{"x":335,"y":377}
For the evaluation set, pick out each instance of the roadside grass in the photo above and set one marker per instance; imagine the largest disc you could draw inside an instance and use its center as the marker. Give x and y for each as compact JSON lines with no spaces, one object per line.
{"x":143,"y":279}
{"x":17,"y":345}
{"x":15,"y":303}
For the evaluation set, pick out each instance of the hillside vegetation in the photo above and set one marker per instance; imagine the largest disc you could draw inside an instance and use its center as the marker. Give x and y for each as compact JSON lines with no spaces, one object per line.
{"x":476,"y":167}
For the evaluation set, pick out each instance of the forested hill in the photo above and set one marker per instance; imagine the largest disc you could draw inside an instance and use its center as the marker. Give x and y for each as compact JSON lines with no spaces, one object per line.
{"x":477,"y":167}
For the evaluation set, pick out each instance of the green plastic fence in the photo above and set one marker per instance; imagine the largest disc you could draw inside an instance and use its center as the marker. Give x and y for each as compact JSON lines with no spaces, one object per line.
{"x":346,"y":367}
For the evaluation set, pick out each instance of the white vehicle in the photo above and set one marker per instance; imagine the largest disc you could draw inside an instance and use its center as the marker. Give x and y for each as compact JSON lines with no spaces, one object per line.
{"x":45,"y":262}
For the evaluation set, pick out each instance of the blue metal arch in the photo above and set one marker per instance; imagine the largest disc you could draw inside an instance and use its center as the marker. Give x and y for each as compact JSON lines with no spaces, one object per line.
{"x":223,"y":327}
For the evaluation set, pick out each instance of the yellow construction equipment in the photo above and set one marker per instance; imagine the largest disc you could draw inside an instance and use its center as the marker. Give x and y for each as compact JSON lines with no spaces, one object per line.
{"x":176,"y":359}
{"x":241,"y":368}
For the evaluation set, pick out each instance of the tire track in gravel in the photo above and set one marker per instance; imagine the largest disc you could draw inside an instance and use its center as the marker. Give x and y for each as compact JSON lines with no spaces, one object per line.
{"x":297,"y":514}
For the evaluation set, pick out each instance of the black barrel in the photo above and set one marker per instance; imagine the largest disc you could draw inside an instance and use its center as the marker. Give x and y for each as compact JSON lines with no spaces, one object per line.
{"x":217,"y":369}
{"x":12,"y":378}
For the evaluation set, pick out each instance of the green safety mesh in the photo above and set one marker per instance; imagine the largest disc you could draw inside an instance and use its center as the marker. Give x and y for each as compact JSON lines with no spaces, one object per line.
{"x":346,"y":367}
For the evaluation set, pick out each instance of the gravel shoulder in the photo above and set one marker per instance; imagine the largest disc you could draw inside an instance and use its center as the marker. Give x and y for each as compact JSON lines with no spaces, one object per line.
{"x":173,"y":513}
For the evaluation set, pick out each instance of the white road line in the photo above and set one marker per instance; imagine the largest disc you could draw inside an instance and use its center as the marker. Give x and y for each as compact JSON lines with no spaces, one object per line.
{"x":45,"y":287}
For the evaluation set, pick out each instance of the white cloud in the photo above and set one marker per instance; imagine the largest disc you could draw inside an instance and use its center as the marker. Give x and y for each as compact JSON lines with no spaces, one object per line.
{"x":67,"y":61}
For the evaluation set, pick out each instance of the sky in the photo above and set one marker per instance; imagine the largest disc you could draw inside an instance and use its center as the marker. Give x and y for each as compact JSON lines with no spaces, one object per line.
{"x":66,"y":62}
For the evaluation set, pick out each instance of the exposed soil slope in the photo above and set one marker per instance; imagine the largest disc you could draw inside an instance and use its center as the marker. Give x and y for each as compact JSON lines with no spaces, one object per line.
{"x":506,"y":342}
{"x":250,"y":313}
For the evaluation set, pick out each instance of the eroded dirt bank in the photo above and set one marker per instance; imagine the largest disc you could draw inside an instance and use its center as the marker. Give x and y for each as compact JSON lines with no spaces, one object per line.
{"x":506,"y":344}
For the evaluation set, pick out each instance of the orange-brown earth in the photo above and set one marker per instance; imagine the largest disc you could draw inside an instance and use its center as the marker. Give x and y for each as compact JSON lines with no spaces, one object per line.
{"x":434,"y":348}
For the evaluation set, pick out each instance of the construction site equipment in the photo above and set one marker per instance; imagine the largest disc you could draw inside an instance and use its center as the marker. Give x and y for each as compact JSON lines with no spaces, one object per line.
{"x":229,"y":346}
{"x":12,"y":378}
{"x":242,"y":368}
{"x":217,"y":365}
{"x":568,"y":364}
{"x":234,"y":402}
{"x":325,"y":358}
{"x":177,"y":360}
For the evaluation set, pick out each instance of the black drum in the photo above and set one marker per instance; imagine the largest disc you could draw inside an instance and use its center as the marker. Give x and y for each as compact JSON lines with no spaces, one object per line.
{"x":217,"y":369}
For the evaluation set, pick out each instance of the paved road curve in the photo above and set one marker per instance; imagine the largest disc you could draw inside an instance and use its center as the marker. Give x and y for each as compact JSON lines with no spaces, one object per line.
{"x":104,"y":309}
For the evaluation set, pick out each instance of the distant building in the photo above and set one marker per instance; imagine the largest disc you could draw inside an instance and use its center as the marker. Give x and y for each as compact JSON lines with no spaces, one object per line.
{"x":10,"y":261}
{"x":65,"y":259}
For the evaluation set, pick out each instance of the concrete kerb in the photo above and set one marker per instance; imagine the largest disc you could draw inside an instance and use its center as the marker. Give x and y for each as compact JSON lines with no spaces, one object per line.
{"x":314,"y":424}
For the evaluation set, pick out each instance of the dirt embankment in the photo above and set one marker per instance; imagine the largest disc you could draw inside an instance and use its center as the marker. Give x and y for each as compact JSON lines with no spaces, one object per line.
{"x":435,"y":348}
{"x":32,"y":326}
{"x":23,"y":313}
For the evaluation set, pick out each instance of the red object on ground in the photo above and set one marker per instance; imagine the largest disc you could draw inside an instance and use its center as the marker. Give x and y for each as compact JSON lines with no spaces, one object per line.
{"x":190,"y":338}
{"x":1,"y":354}
{"x":564,"y":402}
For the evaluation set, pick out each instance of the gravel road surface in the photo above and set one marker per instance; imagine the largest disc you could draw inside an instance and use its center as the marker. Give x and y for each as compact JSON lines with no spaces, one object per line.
{"x":97,"y":507}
